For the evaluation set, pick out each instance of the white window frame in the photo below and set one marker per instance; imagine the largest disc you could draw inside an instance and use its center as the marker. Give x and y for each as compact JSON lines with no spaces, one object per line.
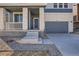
{"x":67,"y":4}
{"x":54,"y":4}
{"x":59,"y":5}
{"x":14,"y":16}
{"x":62,"y":6}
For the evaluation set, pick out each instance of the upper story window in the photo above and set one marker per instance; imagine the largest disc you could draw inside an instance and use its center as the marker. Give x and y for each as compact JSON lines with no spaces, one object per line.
{"x":65,"y":5}
{"x":60,"y":5}
{"x":55,"y":5}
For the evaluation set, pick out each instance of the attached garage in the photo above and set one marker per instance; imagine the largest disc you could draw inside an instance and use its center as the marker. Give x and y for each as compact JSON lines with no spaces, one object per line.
{"x":56,"y":27}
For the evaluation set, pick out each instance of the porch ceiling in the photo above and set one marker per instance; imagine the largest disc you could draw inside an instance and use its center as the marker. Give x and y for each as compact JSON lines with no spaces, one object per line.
{"x":34,"y":11}
{"x":16,"y":9}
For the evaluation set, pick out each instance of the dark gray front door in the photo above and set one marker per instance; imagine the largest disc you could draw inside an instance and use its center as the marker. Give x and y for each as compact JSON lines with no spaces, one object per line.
{"x":56,"y":27}
{"x":35,"y":24}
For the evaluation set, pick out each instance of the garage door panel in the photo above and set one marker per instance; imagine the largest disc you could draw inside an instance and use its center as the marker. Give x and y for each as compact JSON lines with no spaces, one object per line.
{"x":56,"y":27}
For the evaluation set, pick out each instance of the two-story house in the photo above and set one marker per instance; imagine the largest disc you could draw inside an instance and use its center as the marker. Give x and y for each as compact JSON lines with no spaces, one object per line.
{"x":49,"y":18}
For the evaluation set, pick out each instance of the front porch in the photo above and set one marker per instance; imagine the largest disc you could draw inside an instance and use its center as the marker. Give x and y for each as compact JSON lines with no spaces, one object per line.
{"x":21,"y":18}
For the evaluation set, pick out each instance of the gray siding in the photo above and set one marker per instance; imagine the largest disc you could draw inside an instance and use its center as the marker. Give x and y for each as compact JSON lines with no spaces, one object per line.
{"x":58,"y":10}
{"x":56,"y":27}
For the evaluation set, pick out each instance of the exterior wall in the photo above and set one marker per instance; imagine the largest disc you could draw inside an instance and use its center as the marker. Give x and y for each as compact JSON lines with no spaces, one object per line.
{"x":1,"y":18}
{"x":61,"y":17}
{"x":58,"y":17}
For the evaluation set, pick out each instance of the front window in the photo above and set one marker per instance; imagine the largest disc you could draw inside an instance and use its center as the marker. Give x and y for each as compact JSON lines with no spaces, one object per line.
{"x":18,"y":17}
{"x":14,"y":20}
{"x":21,"y":18}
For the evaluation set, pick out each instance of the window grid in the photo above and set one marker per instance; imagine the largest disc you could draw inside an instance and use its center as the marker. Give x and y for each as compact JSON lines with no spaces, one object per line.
{"x":55,"y":5}
{"x":60,"y":5}
{"x":63,"y":5}
{"x":19,"y":13}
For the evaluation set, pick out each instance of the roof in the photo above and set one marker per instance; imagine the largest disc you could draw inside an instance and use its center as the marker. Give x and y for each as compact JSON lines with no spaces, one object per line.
{"x":22,"y":4}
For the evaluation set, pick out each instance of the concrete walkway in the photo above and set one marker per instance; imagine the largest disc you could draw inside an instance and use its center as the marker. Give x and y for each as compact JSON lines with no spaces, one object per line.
{"x":68,"y":44}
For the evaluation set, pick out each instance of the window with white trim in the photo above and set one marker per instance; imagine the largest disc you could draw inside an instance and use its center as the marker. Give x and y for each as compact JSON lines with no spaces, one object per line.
{"x":17,"y":17}
{"x":14,"y":17}
{"x":55,"y":5}
{"x":60,"y":5}
{"x":65,"y":5}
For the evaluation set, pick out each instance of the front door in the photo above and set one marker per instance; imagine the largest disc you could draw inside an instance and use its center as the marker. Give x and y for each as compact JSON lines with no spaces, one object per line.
{"x":35,"y":24}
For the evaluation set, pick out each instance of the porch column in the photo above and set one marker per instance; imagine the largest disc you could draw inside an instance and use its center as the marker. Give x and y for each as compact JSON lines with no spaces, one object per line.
{"x":1,"y":18}
{"x":25,"y":19}
{"x":41,"y":19}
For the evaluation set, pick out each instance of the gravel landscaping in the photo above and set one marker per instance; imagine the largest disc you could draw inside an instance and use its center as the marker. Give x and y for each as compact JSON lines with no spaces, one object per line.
{"x":16,"y":49}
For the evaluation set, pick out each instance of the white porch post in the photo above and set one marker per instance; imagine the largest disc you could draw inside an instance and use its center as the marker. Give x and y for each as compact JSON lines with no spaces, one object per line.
{"x":25,"y":19}
{"x":41,"y":19}
{"x":1,"y":18}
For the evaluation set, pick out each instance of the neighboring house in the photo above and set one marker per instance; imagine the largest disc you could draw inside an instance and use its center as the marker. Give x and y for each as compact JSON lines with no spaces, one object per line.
{"x":76,"y":16}
{"x":49,"y":18}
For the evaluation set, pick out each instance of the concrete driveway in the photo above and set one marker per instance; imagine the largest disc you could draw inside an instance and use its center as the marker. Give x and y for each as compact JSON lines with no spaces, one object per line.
{"x":68,"y":44}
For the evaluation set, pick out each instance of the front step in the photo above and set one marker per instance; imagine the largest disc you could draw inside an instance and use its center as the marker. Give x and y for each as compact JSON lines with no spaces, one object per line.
{"x":32,"y":37}
{"x":28,"y":41}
